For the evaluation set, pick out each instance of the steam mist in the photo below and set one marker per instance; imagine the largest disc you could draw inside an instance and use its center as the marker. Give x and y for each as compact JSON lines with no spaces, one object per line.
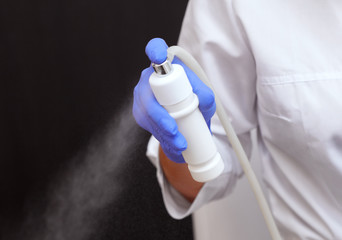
{"x":92,"y":181}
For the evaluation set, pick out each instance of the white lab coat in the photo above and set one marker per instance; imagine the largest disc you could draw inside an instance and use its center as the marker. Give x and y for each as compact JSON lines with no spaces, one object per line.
{"x":277,"y":66}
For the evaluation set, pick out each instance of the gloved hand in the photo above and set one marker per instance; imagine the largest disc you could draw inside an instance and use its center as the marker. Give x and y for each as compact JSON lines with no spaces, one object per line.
{"x":151,"y":116}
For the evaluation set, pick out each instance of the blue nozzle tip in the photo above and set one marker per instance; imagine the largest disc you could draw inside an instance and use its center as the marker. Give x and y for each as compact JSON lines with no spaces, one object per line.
{"x":156,"y":50}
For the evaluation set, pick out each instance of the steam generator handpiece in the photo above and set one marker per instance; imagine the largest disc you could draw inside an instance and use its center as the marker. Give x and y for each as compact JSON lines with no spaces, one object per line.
{"x":173,"y":91}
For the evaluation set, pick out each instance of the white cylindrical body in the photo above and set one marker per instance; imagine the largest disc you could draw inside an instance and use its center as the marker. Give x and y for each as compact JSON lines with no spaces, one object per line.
{"x":174,"y":92}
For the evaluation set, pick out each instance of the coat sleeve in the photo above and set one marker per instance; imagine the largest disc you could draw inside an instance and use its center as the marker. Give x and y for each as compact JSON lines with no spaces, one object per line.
{"x":213,"y":33}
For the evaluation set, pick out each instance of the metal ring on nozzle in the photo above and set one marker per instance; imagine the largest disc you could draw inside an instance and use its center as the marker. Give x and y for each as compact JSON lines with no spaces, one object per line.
{"x":163,"y":68}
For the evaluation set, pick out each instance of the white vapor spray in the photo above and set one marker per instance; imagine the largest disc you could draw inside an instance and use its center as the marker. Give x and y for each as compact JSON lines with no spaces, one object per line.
{"x":89,"y":185}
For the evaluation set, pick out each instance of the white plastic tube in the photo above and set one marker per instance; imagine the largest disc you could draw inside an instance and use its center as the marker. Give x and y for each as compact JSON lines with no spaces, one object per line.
{"x":172,"y":89}
{"x":233,"y":139}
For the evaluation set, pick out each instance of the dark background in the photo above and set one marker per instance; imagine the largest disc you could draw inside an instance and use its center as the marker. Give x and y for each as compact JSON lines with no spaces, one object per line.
{"x":67,"y":71}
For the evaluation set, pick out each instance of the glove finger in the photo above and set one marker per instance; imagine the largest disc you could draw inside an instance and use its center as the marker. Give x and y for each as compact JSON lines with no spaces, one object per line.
{"x":168,"y":145}
{"x":172,"y":145}
{"x":177,"y":158}
{"x":139,"y":111}
{"x":166,"y":131}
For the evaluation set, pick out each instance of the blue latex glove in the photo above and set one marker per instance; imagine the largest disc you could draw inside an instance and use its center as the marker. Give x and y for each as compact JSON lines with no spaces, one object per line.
{"x":151,"y":116}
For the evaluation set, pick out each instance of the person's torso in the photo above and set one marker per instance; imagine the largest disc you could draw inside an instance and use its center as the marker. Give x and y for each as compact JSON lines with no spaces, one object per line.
{"x":297,"y":46}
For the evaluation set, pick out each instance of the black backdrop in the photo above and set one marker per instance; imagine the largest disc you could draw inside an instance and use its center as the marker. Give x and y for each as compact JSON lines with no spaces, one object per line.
{"x":67,"y":71}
